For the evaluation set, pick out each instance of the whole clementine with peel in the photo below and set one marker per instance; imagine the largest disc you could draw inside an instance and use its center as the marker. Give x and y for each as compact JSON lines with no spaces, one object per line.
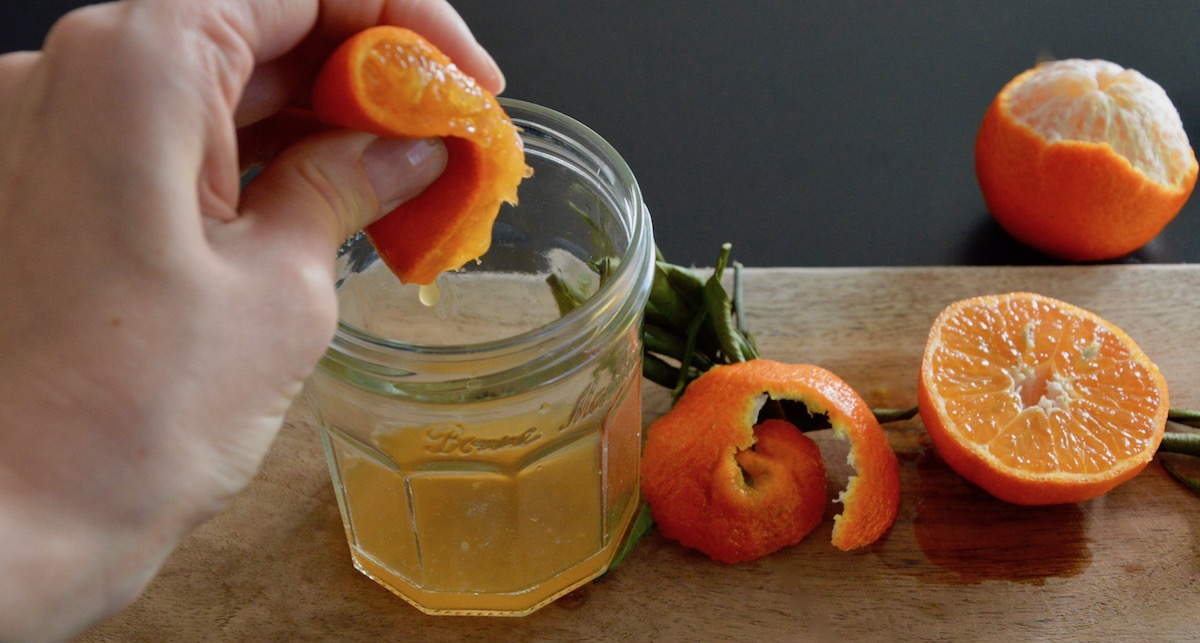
{"x":1038,"y":401}
{"x":1083,"y":159}
{"x":392,"y":82}
{"x":719,"y":481}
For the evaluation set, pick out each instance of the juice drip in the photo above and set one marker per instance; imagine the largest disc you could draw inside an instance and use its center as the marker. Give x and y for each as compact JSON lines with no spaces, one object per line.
{"x":429,"y":294}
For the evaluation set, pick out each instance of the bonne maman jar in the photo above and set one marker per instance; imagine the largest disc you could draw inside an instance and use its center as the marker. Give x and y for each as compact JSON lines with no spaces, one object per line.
{"x":485,"y":449}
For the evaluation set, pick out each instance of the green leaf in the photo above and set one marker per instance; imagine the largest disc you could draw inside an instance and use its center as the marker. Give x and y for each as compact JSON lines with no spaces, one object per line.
{"x":641,"y":526}
{"x":567,"y":296}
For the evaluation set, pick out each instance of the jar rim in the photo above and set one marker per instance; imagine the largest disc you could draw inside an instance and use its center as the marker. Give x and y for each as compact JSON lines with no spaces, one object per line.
{"x":350,"y":338}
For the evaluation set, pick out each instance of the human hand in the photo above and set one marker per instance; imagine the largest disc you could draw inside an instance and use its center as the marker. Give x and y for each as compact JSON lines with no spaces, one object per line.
{"x":156,"y":322}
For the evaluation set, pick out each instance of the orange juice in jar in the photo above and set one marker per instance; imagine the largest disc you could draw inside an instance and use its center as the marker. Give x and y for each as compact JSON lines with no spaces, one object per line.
{"x":485,"y":450}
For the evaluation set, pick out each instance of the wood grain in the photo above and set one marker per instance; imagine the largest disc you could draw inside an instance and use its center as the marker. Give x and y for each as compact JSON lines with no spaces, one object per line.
{"x":957,"y":565}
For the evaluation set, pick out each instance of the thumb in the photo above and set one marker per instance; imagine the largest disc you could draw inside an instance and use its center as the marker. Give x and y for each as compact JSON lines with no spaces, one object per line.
{"x":340,"y":181}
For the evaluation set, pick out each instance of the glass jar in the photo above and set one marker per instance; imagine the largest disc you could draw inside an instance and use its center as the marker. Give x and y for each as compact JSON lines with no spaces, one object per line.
{"x":485,"y":449}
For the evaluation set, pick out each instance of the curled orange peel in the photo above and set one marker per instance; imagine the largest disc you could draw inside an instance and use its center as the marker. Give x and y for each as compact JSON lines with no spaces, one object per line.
{"x":390,"y":81}
{"x":717,"y":482}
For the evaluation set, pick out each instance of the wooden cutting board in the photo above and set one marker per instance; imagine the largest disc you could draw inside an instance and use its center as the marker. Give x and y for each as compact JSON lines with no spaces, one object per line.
{"x":957,"y":565}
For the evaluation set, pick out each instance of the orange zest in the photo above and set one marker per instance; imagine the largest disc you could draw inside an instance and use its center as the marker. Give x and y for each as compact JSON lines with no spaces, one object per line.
{"x":1084,"y":160}
{"x":390,"y":81}
{"x":720,"y":482}
{"x":1038,"y":401}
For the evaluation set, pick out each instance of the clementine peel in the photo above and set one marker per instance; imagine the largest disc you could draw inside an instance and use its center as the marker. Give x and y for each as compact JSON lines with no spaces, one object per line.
{"x":392,"y":82}
{"x":717,"y":482}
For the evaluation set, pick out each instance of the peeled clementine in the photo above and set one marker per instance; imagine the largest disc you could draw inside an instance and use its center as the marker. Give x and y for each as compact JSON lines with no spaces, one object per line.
{"x":1038,"y":401}
{"x":392,"y":82}
{"x":719,"y":482}
{"x":1083,"y":159}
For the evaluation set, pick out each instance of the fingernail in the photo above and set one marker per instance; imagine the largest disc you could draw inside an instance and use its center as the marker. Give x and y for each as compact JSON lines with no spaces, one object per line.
{"x":399,"y":168}
{"x":497,"y":75}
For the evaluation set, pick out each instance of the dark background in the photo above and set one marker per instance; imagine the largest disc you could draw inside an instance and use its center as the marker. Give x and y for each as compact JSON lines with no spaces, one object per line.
{"x":807,"y":133}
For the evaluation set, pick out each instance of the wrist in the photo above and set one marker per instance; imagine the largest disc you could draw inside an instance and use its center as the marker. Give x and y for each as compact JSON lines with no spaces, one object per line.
{"x":68,"y":572}
{"x":84,"y":521}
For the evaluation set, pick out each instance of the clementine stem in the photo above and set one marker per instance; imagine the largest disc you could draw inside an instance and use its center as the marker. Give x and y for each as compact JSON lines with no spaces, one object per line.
{"x":884,"y":415}
{"x":685,"y":367}
{"x":1186,"y":443}
{"x":1189,"y":482}
{"x":1179,"y":442}
{"x":1187,"y":417}
{"x":661,"y":341}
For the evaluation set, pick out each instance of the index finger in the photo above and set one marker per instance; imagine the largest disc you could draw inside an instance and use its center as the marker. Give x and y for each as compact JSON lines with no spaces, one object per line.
{"x":289,"y":50}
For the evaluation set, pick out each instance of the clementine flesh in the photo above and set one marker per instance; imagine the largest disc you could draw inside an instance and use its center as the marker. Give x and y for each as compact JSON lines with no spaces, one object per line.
{"x":392,"y":82}
{"x":1083,"y":159}
{"x":1038,"y":401}
{"x":718,"y":483}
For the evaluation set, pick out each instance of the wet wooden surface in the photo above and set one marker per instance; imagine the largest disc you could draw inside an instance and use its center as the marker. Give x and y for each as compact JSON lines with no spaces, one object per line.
{"x":957,"y":565}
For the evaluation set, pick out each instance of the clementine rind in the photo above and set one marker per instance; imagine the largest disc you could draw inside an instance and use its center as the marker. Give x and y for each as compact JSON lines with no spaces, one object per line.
{"x":748,"y":504}
{"x":1038,"y":401}
{"x":698,"y":455}
{"x":392,"y":82}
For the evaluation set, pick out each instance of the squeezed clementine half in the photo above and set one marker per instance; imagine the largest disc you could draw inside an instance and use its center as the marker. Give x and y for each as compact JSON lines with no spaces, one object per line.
{"x":1083,"y":159}
{"x":1038,"y":401}
{"x":392,"y":82}
{"x":718,"y":481}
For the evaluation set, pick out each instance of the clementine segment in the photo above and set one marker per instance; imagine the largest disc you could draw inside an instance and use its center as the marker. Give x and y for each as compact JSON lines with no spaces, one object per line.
{"x":392,"y":82}
{"x":718,"y":483}
{"x":1038,"y":401}
{"x":1083,"y":160}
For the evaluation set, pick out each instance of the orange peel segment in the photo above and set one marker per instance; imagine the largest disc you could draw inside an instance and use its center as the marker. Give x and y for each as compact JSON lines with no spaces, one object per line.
{"x":390,"y":81}
{"x":695,"y":456}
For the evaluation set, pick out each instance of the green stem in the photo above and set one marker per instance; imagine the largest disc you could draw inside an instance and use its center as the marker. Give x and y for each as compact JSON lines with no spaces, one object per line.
{"x":739,"y":306}
{"x":685,"y":363}
{"x":1190,"y":483}
{"x":663,"y":342}
{"x":1186,"y":417}
{"x":1182,"y":442}
{"x":894,"y":415}
{"x":750,"y":347}
{"x":1179,"y":442}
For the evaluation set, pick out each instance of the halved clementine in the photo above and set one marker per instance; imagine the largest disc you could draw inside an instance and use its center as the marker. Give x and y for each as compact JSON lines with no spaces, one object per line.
{"x":719,"y":482}
{"x":1038,"y":401}
{"x":392,"y":82}
{"x":1083,"y":159}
